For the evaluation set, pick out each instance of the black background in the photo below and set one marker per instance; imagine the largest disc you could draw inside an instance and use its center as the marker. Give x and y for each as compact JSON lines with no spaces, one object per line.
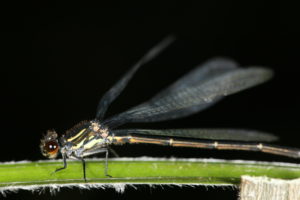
{"x":58,"y":58}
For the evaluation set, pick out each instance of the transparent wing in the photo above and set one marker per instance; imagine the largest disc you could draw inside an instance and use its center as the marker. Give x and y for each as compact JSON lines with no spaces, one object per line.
{"x":207,"y":134}
{"x":115,"y":91}
{"x":194,"y":92}
{"x":200,"y":74}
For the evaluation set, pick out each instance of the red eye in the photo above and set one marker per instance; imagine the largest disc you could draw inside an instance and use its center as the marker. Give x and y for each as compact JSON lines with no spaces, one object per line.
{"x":51,"y":147}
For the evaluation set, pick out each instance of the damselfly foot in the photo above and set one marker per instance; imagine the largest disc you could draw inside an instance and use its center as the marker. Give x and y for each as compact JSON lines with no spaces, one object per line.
{"x":108,"y":176}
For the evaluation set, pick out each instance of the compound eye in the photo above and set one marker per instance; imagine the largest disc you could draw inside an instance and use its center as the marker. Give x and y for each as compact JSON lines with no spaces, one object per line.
{"x":51,"y":147}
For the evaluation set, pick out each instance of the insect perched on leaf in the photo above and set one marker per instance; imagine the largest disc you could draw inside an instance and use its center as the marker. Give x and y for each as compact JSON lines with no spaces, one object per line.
{"x":196,"y":91}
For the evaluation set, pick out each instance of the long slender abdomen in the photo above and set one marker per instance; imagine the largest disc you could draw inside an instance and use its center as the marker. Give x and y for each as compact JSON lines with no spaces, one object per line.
{"x":219,"y":145}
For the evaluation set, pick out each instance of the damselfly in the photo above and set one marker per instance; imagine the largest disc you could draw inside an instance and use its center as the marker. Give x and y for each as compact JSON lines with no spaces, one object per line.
{"x":199,"y":89}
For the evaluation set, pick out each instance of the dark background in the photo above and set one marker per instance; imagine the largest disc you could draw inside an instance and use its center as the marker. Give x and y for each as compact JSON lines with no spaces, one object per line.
{"x":57,"y":59}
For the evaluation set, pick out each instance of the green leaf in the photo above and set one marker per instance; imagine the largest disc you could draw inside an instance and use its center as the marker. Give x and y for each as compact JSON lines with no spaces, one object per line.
{"x":144,"y":170}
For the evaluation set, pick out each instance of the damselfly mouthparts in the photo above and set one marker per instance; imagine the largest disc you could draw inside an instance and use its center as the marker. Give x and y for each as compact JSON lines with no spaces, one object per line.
{"x":196,"y":91}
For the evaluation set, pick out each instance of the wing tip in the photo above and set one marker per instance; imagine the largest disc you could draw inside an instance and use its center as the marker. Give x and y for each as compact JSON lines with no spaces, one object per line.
{"x":265,"y":73}
{"x":271,"y":138}
{"x":263,"y":136}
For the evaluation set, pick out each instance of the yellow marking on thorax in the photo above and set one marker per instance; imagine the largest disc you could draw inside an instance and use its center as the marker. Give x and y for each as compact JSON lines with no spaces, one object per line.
{"x":82,"y":140}
{"x":76,"y":136}
{"x":77,"y":146}
{"x":93,"y":143}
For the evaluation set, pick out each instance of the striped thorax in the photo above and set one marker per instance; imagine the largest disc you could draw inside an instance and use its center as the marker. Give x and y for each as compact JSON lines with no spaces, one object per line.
{"x":84,"y":138}
{"x":81,"y":140}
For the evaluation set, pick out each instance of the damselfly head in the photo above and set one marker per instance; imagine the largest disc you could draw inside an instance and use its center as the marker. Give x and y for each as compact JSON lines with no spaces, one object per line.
{"x":49,"y":144}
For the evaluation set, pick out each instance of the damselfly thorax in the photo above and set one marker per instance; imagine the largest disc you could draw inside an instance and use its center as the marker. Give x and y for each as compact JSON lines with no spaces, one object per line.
{"x":86,"y":138}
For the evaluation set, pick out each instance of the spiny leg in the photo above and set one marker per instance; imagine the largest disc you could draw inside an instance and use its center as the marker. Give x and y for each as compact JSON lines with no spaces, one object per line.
{"x":65,"y":164}
{"x":95,"y":151}
{"x":83,"y":168}
{"x":106,"y":164}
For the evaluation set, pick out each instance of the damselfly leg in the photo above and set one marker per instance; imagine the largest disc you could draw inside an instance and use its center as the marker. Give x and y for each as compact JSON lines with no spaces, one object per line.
{"x":106,"y":164}
{"x":64,"y":162}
